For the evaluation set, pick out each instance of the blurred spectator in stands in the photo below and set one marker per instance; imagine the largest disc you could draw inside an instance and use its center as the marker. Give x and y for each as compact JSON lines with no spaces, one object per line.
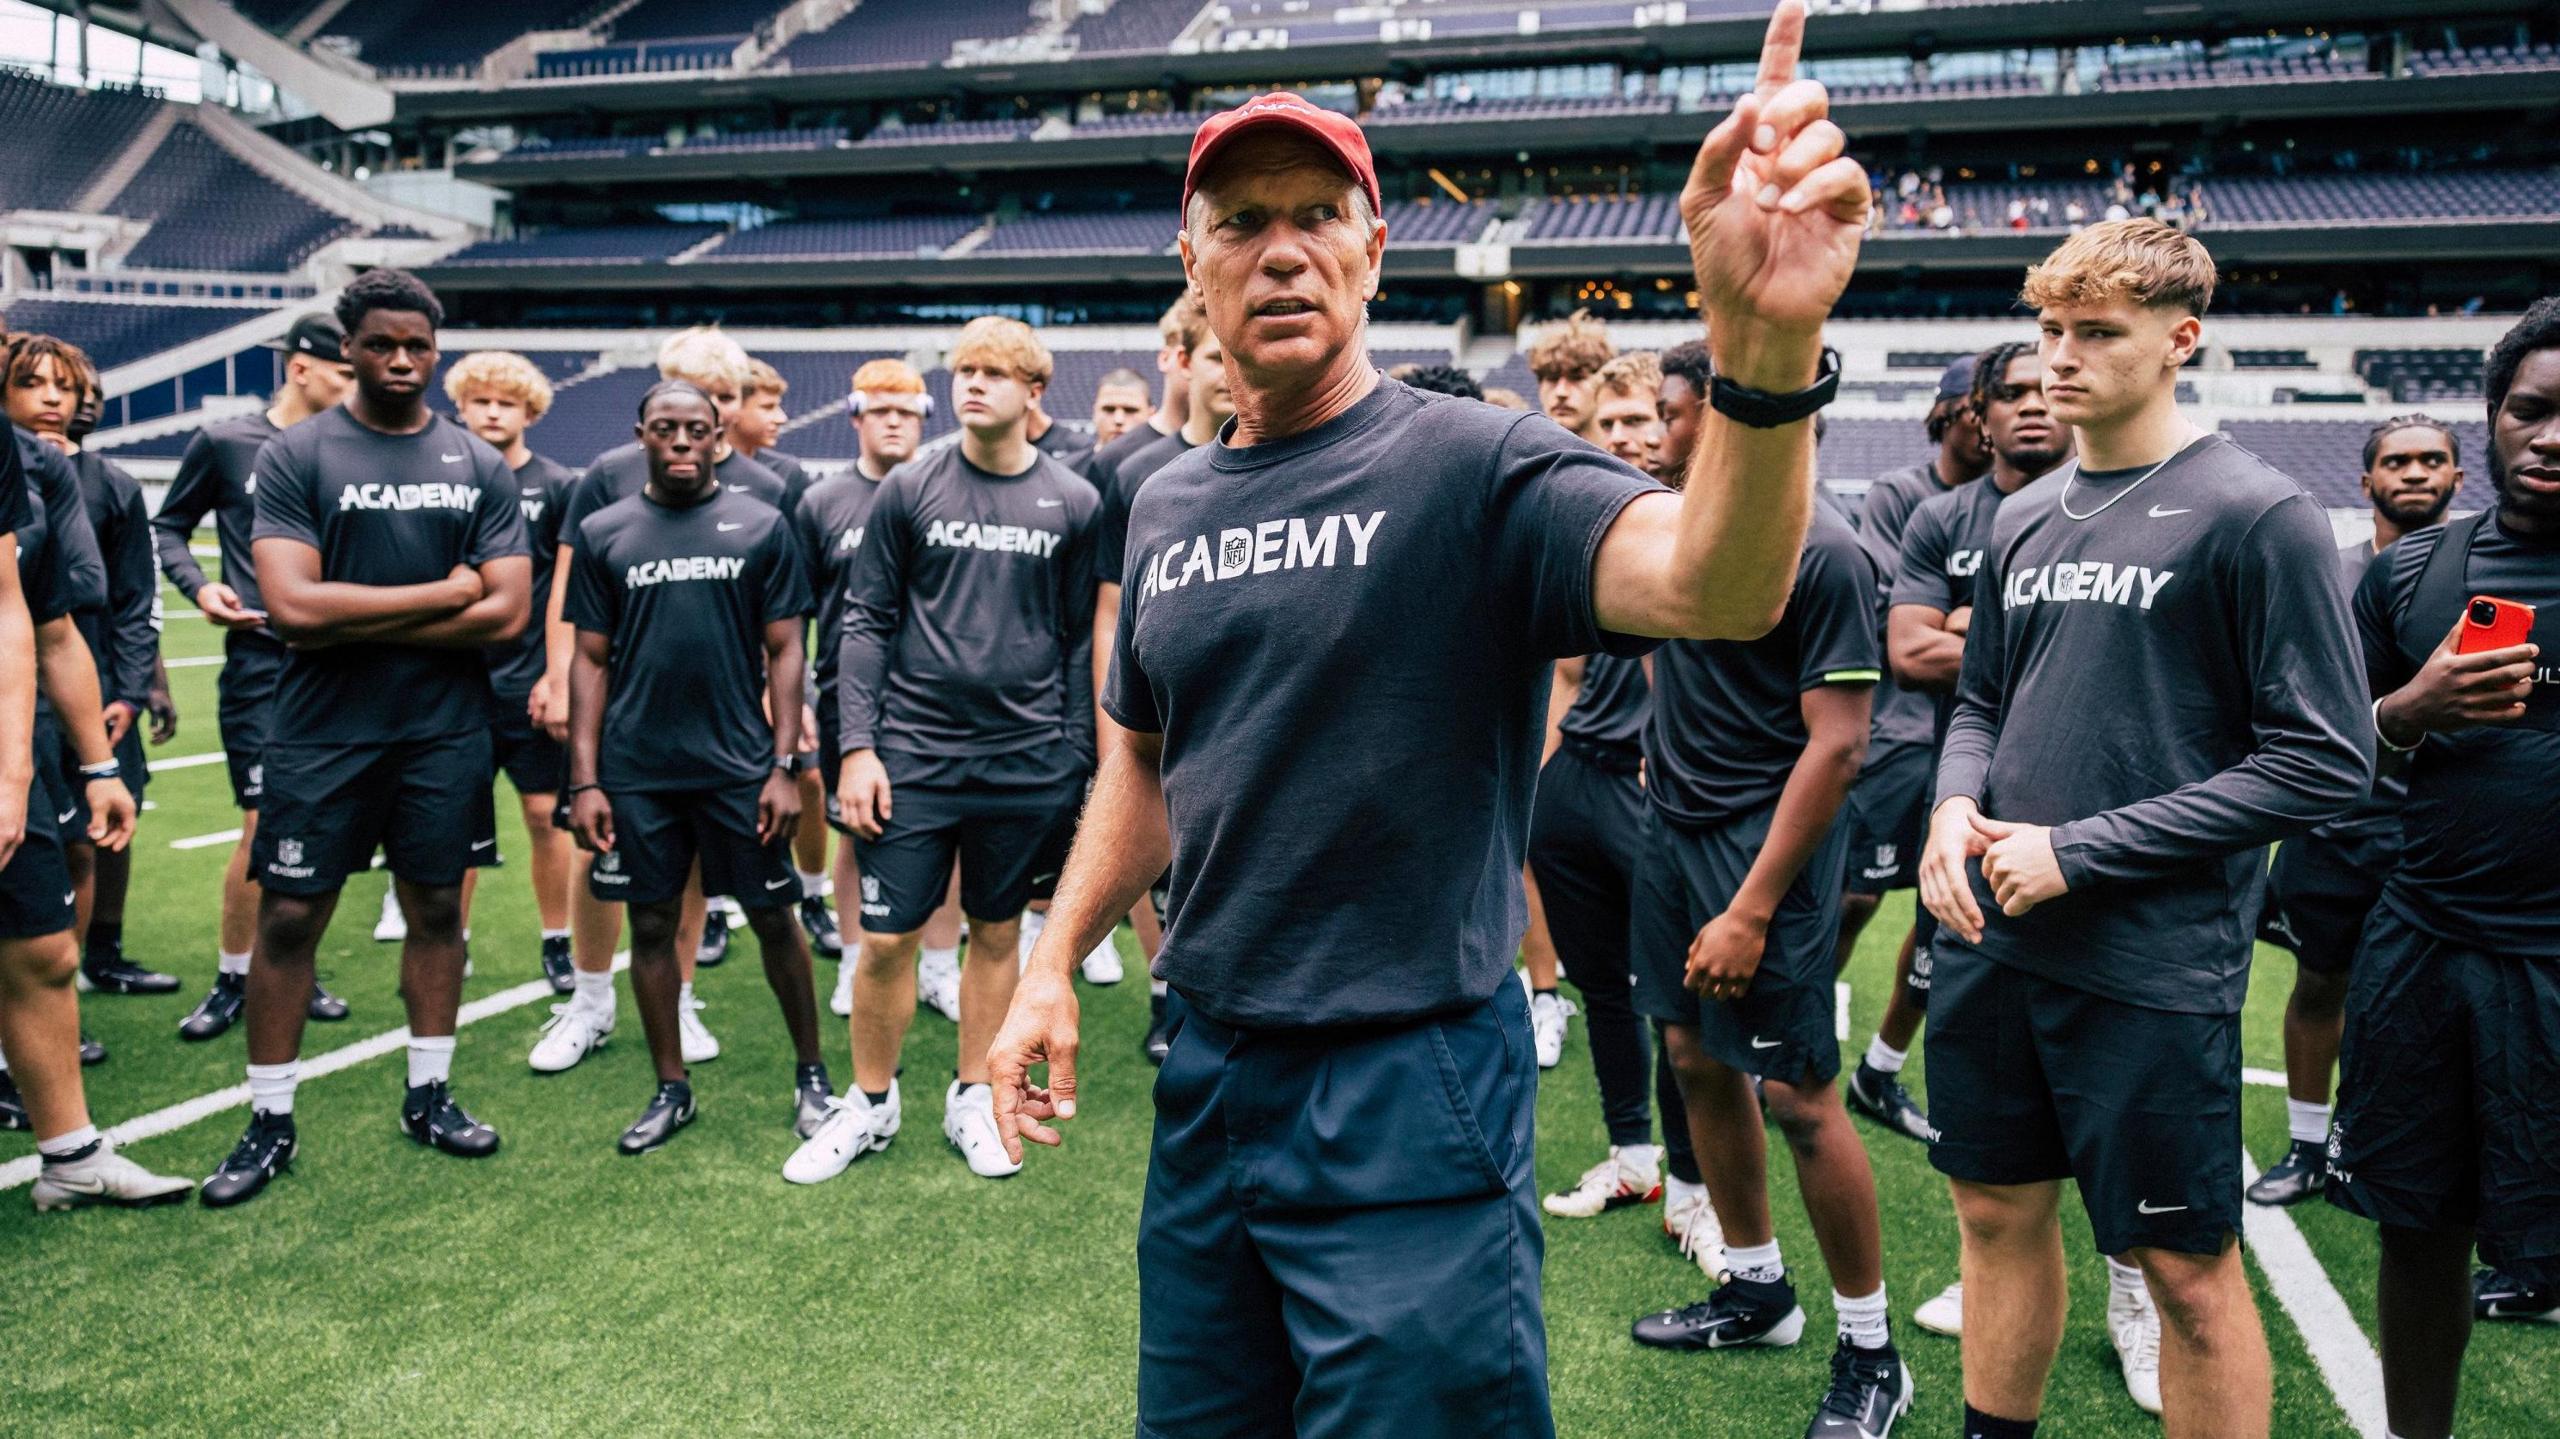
{"x":1627,"y":421}
{"x":2018,"y":213}
{"x":1119,"y":402}
{"x":1942,"y":216}
{"x":2074,"y":215}
{"x":1566,"y":358}
{"x":2116,"y":210}
{"x":1503,"y":399}
{"x":2198,"y":210}
{"x":1909,"y":186}
{"x":2041,"y":207}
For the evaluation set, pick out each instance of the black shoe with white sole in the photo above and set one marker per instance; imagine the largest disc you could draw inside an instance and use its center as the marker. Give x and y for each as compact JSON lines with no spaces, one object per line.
{"x":1870,"y":1389}
{"x":670,"y":1109}
{"x":2300,"y":1175}
{"x":820,"y":922}
{"x":265,"y":1150}
{"x":112,"y":973}
{"x":1740,"y":1312}
{"x":2498,"y":1295}
{"x":324,"y":1006}
{"x":715,"y":942}
{"x":429,"y":1116}
{"x":218,"y":1010}
{"x":92,"y":1050}
{"x":556,"y":967}
{"x":1880,"y":1097}
{"x":810,"y":1092}
{"x":1159,"y":1040}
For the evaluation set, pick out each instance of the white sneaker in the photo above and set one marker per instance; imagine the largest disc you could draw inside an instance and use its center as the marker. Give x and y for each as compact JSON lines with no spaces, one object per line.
{"x":1033,"y":921}
{"x":1547,"y":1014}
{"x":854,"y":1126}
{"x":105,"y":1177}
{"x":841,"y":1002}
{"x":393,"y":926}
{"x":1944,"y":1314}
{"x":1691,"y":1222}
{"x":2136,"y":1332}
{"x":938,"y":985}
{"x":1103,"y":965}
{"x":573,"y":1032}
{"x":969,"y":1122}
{"x":698,"y":1046}
{"x":1629,"y":1175}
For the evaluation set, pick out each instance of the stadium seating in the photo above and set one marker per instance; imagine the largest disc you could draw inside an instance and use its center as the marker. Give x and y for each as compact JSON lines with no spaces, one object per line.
{"x":606,"y":244}
{"x":1132,"y":26}
{"x":2485,"y":59}
{"x":2248,"y":70}
{"x":2271,"y":360}
{"x":889,"y":33}
{"x":118,"y":332}
{"x":436,"y":37}
{"x":654,"y":57}
{"x":59,"y":137}
{"x":1543,"y":107}
{"x":1426,"y":223}
{"x":2326,"y":457}
{"x":692,"y":19}
{"x":2302,"y":199}
{"x":1141,"y":122}
{"x":585,"y":147}
{"x":210,"y":211}
{"x":2422,"y":375}
{"x":1134,"y":232}
{"x":1604,"y":220}
{"x":746,"y":142}
{"x":898,"y":237}
{"x":951,"y":132}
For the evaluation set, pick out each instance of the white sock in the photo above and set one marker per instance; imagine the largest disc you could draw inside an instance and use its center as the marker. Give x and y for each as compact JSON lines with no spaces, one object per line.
{"x":1159,"y":988}
{"x":1883,"y":1058}
{"x":1862,"y":1321}
{"x":234,"y":963}
{"x":271,"y":1086}
{"x":684,"y":996}
{"x":1640,"y":1157}
{"x":63,"y":1146}
{"x":946,"y":955}
{"x":550,"y":934}
{"x":2124,"y":1282}
{"x":2307,"y":1122}
{"x":1676,"y":1190}
{"x":596,"y":990}
{"x":813,"y":883}
{"x":430,"y":1059}
{"x":1758,"y":1263}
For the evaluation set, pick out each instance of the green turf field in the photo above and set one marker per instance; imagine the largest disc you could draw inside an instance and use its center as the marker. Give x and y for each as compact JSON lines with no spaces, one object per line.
{"x":560,"y":1288}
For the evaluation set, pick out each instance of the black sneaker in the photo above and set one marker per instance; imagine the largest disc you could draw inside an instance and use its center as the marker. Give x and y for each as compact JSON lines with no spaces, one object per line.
{"x":1159,"y":1041}
{"x":1880,"y":1097}
{"x":1870,"y":1388}
{"x":429,"y":1116}
{"x":2302,"y":1173}
{"x":265,"y":1150}
{"x":715,"y":941}
{"x":218,"y":1010}
{"x":670,"y":1109}
{"x":112,"y":973}
{"x":820,"y":921}
{"x":1740,"y":1312}
{"x":809,"y":1095}
{"x":13,"y":1105}
{"x":92,"y":1050}
{"x":556,"y":966}
{"x":2499,"y":1295}
{"x":324,"y":1006}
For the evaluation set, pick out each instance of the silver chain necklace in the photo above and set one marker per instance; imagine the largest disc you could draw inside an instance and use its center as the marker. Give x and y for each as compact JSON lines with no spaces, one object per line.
{"x":2064,"y":500}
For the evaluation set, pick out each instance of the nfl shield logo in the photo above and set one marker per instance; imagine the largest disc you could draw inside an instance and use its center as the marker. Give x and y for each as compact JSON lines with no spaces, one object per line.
{"x":1237,"y":547}
{"x":1886,"y":854}
{"x":289,"y":852}
{"x":871,"y":889}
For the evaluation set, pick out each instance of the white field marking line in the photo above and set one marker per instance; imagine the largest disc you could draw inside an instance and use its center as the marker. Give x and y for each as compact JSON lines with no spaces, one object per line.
{"x":1840,"y":1010}
{"x":2337,"y":1344}
{"x":2271,"y":1078}
{"x":204,"y":1106}
{"x":206,"y":841}
{"x":185,"y":761}
{"x":189,"y":662}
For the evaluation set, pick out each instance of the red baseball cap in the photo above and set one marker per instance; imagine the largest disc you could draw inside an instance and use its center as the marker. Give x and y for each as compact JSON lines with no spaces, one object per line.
{"x":1340,"y":135}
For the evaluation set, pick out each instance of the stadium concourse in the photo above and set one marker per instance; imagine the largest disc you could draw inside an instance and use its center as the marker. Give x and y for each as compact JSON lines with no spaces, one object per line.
{"x":611,"y":199}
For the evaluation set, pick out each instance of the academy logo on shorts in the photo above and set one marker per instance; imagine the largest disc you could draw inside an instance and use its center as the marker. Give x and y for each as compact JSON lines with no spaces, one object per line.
{"x":871,"y":902}
{"x":288,"y":861}
{"x":608,"y":869}
{"x":1886,"y":857}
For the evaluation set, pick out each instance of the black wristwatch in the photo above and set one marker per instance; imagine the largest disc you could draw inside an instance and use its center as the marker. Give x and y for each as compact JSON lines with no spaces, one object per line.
{"x":1764,"y":411}
{"x":794,"y":765}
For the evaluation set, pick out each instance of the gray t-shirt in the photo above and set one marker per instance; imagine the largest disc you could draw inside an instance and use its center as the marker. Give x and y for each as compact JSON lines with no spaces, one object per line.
{"x":1344,"y":638}
{"x":1901,"y":716}
{"x":2171,"y":682}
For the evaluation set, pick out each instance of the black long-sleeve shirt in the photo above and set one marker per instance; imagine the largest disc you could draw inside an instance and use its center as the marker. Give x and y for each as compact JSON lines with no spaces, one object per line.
{"x":968,"y":626}
{"x":84,"y":571}
{"x":216,"y":476}
{"x":2164,"y":673}
{"x":124,"y":637}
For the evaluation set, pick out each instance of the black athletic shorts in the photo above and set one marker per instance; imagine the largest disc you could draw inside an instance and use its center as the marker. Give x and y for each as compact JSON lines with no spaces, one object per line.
{"x":525,"y":752}
{"x":2032,"y":1081}
{"x":424,"y":802}
{"x":1004,"y":840}
{"x":58,"y":767}
{"x":251,"y":666}
{"x":2449,"y":1095}
{"x":2320,"y":891}
{"x":830,"y":761}
{"x":1781,"y":1027}
{"x":1888,"y":818}
{"x":658,"y":834}
{"x":35,"y":887}
{"x":134,"y":765}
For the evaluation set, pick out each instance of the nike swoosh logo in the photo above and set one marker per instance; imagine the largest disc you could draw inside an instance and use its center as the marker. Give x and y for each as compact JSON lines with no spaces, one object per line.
{"x":2147,"y":1207}
{"x":1759,"y":1043}
{"x":1050,"y":504}
{"x":484,"y":844}
{"x":65,"y":816}
{"x":779,"y":883}
{"x":2158,"y":513}
{"x":724,"y":529}
{"x":450,"y":459}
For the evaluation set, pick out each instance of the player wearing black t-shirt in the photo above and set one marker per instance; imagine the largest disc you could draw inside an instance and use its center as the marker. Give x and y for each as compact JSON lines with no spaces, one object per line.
{"x":218,"y":476}
{"x":2449,"y":1091}
{"x":2322,"y":886}
{"x":967,"y":728}
{"x":2158,"y":681}
{"x":689,"y":602}
{"x":391,"y":553}
{"x":1335,"y":634}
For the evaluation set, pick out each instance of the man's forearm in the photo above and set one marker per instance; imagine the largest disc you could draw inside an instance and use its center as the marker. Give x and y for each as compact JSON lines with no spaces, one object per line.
{"x":1122,"y":844}
{"x":70,"y":679}
{"x":329,"y":610}
{"x":785,"y":669}
{"x":1816,"y":789}
{"x":586,"y":718}
{"x":1749,"y":497}
{"x":176,"y":560}
{"x":1106,"y":633}
{"x":1924,"y":654}
{"x":492,"y":619}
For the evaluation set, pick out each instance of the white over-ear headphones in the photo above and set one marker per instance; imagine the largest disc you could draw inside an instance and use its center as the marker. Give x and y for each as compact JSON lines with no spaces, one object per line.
{"x":917,"y":404}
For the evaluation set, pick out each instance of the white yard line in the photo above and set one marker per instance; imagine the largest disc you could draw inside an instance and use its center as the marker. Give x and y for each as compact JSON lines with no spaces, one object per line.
{"x":185,"y":761}
{"x":204,"y":1106}
{"x":206,"y":841}
{"x":189,"y":662}
{"x":2337,"y":1345}
{"x":1840,"y":1010}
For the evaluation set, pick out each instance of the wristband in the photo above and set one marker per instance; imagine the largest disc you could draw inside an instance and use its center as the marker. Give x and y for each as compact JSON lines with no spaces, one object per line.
{"x":103,"y":769}
{"x":575,"y":790}
{"x":2385,"y":738}
{"x":794,"y":765}
{"x":1764,"y":411}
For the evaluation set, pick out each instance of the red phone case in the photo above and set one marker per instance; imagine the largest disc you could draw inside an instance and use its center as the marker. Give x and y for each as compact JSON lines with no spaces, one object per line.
{"x":2512,"y":626}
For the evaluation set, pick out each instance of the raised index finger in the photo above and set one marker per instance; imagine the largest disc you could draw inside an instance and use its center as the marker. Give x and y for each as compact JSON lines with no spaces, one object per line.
{"x":1780,"y":48}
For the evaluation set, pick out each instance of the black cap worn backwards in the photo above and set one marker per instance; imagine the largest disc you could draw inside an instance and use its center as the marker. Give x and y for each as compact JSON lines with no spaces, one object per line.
{"x":316,"y":334}
{"x":1956,"y":381}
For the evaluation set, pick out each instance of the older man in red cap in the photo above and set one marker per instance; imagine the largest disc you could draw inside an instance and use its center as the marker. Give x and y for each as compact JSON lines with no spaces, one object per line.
{"x":1324,"y":713}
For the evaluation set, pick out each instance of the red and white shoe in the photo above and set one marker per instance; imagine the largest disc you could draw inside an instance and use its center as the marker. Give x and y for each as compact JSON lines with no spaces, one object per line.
{"x":1632,"y":1174}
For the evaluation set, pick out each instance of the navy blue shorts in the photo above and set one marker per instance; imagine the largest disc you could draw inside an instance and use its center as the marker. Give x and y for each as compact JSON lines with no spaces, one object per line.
{"x":2449,"y":1095}
{"x":1341,"y":1233}
{"x":423,"y":802}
